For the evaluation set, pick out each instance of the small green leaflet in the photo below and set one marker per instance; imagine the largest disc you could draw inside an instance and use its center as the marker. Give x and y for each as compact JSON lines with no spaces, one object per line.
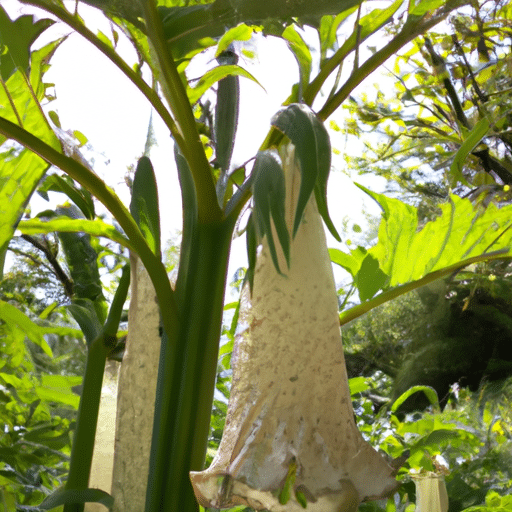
{"x":241,"y":32}
{"x":268,"y":192}
{"x":18,"y":320}
{"x":472,"y":139}
{"x":213,"y":76}
{"x":59,"y":388}
{"x":430,"y":393}
{"x":358,"y":385}
{"x":287,"y":489}
{"x":301,"y":52}
{"x":313,"y":150}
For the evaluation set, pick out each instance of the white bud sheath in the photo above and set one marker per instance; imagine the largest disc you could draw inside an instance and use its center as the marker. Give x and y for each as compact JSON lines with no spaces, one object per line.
{"x":431,"y":494}
{"x":290,"y":398}
{"x":136,"y":396}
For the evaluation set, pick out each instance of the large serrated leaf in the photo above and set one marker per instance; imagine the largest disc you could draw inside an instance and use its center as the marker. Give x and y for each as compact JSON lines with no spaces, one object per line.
{"x":144,"y":204}
{"x":20,"y":169}
{"x":460,"y":235}
{"x":350,"y":262}
{"x":313,"y":150}
{"x":268,"y":191}
{"x":20,"y":173}
{"x":460,"y":232}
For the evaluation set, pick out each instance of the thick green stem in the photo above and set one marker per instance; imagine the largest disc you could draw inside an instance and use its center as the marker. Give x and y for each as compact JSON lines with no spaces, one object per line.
{"x":186,"y":379}
{"x":83,"y":442}
{"x":189,"y":141}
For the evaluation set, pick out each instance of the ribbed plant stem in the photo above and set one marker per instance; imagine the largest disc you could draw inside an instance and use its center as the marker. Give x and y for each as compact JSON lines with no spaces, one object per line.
{"x":186,"y":379}
{"x":83,"y":442}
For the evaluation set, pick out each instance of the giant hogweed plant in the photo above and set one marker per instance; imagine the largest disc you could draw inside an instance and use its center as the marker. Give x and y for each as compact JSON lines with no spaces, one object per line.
{"x":286,"y":189}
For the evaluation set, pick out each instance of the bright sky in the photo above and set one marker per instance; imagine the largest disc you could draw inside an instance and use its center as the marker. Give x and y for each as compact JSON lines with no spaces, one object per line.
{"x":95,"y":98}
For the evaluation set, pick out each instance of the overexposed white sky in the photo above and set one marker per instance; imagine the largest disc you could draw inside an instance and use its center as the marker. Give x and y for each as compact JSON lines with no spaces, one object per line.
{"x":92,"y":96}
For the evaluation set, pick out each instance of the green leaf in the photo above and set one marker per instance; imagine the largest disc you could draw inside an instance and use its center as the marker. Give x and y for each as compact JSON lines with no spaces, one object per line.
{"x":289,"y":483}
{"x":193,"y":28}
{"x":47,"y":435}
{"x":437,"y":438}
{"x":358,"y":385}
{"x":213,"y":76}
{"x":461,"y":232}
{"x":16,"y":38}
{"x":367,"y":26}
{"x":105,"y":39}
{"x":350,"y":262}
{"x":424,"y":6}
{"x":144,"y":204}
{"x":65,"y":224}
{"x":21,"y":97}
{"x":471,"y":140}
{"x":20,"y":169}
{"x":241,"y":32}
{"x":370,"y":278}
{"x":328,"y":31}
{"x":21,"y":322}
{"x":376,"y":19}
{"x":268,"y":191}
{"x":20,"y":172}
{"x":313,"y":150}
{"x":64,"y":184}
{"x":68,"y":496}
{"x":301,"y":498}
{"x":82,"y":139}
{"x":430,"y":393}
{"x":301,"y":52}
{"x":59,"y":388}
